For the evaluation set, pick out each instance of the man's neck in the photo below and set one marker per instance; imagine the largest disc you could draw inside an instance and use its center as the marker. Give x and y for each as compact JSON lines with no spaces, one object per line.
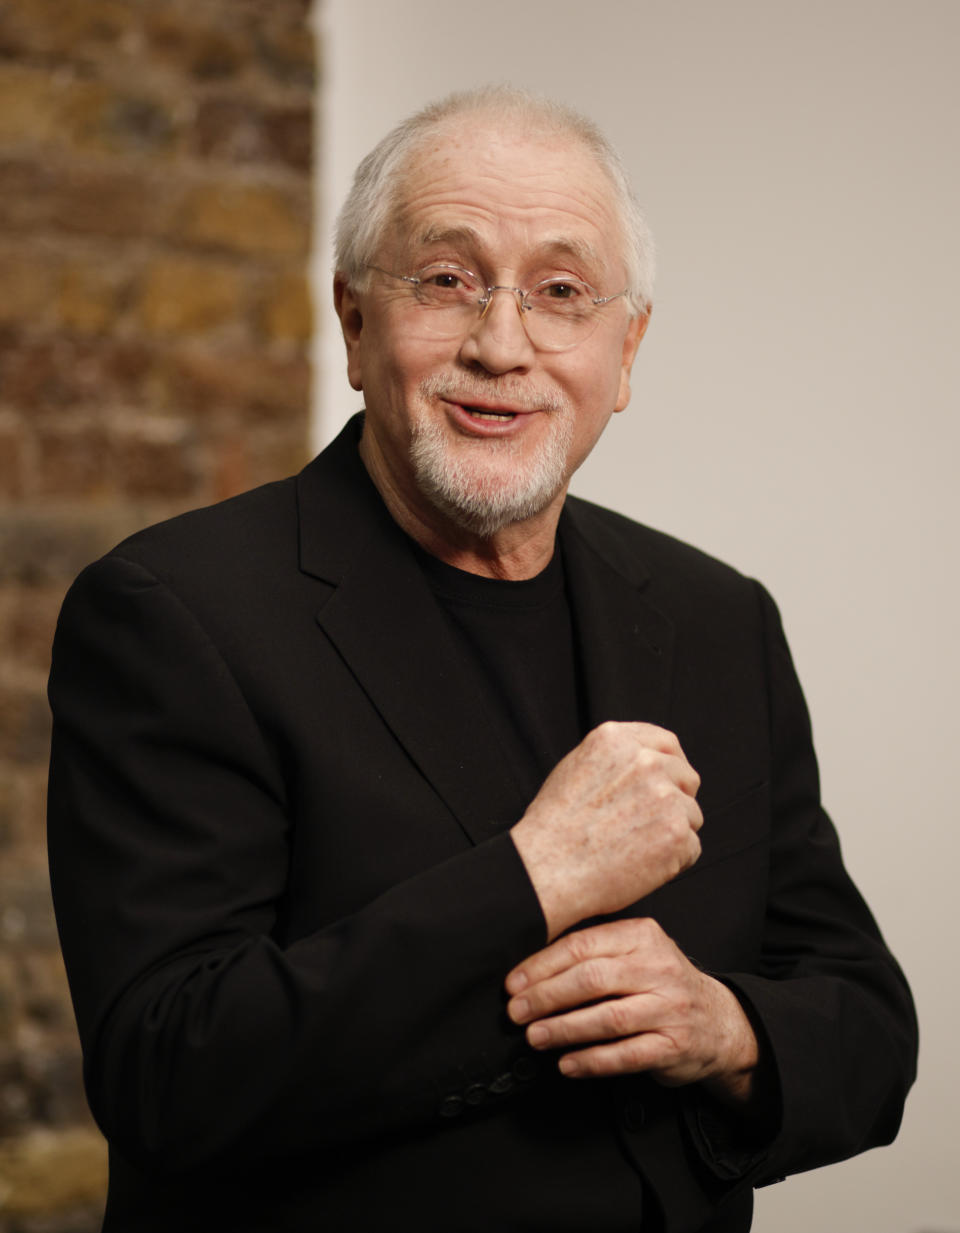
{"x":519,"y":550}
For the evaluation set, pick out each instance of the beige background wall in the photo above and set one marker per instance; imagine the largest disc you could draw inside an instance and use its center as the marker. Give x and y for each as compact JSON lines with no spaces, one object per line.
{"x":794,"y":406}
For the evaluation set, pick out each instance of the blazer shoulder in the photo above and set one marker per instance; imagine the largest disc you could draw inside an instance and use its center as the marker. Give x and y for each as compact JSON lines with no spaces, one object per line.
{"x":233,"y":567}
{"x":265,"y":532}
{"x":241,"y":535}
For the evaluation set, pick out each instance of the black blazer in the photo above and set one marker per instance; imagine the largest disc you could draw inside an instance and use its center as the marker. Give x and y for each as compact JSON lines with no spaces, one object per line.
{"x":288,"y":899}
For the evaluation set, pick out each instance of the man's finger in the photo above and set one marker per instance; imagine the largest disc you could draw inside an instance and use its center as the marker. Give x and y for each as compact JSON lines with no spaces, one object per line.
{"x":608,"y":1020}
{"x":608,"y":939}
{"x":680,"y":772}
{"x":590,"y":981}
{"x":654,"y":736}
{"x":630,"y":1056}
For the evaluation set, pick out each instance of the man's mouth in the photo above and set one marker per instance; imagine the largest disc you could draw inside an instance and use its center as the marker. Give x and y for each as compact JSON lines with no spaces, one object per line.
{"x":497,"y":417}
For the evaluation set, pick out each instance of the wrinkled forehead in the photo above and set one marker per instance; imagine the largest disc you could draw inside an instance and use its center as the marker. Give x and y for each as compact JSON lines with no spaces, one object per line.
{"x":473,"y":172}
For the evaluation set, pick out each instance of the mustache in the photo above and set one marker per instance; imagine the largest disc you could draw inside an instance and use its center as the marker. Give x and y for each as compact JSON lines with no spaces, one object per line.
{"x":467,"y":390}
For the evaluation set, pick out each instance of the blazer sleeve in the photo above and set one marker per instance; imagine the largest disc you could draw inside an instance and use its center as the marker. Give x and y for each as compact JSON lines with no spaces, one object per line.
{"x":168,"y":841}
{"x":830,"y":1004}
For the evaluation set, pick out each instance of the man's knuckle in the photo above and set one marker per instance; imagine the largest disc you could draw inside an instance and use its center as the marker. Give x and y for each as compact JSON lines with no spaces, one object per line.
{"x":685,"y":1007}
{"x":652,"y":932}
{"x":641,"y":933}
{"x":619,"y":1017}
{"x":621,"y":932}
{"x":646,"y":760}
{"x":636,"y":1052}
{"x":672,"y":741}
{"x":577,"y":947}
{"x":593,"y":977}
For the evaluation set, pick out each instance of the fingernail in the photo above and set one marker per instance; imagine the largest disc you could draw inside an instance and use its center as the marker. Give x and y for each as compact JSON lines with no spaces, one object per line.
{"x":519,"y":1008}
{"x":538,"y":1035}
{"x":516,"y":981}
{"x":569,"y":1066}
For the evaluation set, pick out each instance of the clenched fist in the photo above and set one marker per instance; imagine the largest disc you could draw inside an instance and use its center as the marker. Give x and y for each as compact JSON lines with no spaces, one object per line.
{"x":614,"y":820}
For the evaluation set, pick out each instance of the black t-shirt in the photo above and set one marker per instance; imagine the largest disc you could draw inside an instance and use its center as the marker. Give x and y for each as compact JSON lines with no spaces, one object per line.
{"x":518,"y":642}
{"x":559,"y":1158}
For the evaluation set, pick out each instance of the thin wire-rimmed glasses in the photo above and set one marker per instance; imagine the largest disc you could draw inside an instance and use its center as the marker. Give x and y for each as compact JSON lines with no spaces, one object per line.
{"x":558,"y":313}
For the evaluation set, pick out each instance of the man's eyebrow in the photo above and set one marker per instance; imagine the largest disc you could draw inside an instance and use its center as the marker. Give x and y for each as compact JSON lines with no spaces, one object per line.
{"x":570,"y":246}
{"x":551,"y":246}
{"x":450,"y":235}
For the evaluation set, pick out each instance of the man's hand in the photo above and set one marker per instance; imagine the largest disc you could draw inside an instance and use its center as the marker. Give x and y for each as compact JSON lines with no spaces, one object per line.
{"x":626,"y":992}
{"x":614,"y":820}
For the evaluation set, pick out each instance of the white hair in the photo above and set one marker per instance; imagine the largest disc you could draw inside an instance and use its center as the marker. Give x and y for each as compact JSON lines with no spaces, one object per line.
{"x":370,"y":203}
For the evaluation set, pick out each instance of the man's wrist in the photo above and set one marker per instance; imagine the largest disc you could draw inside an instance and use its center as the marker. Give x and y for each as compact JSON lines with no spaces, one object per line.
{"x":549,"y":886}
{"x":732,"y":1083}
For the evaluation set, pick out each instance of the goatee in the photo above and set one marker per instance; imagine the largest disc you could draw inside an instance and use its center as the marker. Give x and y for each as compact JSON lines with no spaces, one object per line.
{"x":484,"y":484}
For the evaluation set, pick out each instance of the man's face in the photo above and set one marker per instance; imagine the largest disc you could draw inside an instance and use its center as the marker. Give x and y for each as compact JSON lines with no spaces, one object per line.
{"x":483,"y":427}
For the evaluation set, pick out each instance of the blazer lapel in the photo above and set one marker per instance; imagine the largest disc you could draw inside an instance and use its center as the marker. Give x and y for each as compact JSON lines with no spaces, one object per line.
{"x":387,"y":626}
{"x":625,"y":644}
{"x":384,"y":621}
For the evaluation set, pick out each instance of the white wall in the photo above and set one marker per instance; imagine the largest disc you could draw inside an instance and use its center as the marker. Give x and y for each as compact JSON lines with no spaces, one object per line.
{"x":794,"y":404}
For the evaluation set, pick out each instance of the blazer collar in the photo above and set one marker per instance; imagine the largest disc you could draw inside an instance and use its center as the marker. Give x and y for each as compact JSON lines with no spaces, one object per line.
{"x":385,"y":623}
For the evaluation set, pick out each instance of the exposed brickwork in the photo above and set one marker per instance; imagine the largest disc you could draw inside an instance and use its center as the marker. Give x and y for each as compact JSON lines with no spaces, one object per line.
{"x":155,"y":217}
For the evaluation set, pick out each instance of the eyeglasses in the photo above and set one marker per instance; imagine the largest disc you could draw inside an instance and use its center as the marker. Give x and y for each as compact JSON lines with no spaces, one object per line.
{"x":558,"y":313}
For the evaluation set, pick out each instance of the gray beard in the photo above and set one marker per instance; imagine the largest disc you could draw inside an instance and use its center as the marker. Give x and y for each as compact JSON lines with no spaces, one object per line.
{"x":471,"y":480}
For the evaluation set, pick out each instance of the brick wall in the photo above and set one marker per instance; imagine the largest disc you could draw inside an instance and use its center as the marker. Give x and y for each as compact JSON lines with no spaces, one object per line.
{"x":155,"y":215}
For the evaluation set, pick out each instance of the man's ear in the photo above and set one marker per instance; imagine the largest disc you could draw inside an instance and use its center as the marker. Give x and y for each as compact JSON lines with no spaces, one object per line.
{"x":351,"y":323}
{"x":635,"y":332}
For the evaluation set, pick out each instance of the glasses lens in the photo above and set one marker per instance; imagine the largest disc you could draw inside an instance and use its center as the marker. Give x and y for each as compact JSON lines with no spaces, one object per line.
{"x":561,"y":312}
{"x":448,"y":286}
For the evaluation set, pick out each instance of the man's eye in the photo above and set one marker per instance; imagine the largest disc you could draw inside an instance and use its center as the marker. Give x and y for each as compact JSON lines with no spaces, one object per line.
{"x":444,"y":279}
{"x":560,"y":291}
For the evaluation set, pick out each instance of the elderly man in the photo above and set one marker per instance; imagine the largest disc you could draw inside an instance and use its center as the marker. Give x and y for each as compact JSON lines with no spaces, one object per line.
{"x":435,"y":851}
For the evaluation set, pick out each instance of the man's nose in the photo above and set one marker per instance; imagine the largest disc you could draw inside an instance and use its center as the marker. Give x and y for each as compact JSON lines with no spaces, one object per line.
{"x":498,"y":340}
